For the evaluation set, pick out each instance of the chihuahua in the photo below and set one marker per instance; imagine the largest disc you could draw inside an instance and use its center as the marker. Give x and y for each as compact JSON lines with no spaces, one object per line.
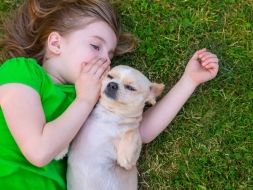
{"x":104,"y":153}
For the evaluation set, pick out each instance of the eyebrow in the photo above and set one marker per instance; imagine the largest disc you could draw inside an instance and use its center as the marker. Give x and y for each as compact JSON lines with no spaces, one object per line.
{"x":102,"y":39}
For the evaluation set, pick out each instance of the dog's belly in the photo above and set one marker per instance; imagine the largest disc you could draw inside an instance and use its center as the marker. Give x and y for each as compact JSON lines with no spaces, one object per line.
{"x":92,"y":159}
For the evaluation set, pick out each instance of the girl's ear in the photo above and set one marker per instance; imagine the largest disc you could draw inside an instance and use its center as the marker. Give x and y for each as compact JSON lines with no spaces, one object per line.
{"x":155,"y":91}
{"x":54,"y":43}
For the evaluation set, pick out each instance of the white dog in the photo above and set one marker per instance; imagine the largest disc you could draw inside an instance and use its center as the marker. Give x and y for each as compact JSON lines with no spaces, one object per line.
{"x":104,"y":153}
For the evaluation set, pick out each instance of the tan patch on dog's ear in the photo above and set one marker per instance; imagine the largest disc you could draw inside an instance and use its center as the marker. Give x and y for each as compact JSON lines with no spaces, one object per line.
{"x":155,"y":91}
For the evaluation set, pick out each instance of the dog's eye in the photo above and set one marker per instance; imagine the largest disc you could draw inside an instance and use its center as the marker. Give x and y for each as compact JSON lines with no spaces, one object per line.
{"x":109,"y":76}
{"x":130,"y":88}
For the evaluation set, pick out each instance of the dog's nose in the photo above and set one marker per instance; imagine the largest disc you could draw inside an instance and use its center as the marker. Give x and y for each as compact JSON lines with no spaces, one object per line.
{"x":112,"y":86}
{"x":111,"y":90}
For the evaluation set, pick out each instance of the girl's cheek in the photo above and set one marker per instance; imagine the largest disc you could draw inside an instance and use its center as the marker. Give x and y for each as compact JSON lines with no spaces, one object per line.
{"x":89,"y":56}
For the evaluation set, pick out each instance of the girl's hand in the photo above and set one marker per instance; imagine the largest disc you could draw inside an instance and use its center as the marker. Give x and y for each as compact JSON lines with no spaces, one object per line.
{"x":202,"y":67}
{"x":88,"y":84}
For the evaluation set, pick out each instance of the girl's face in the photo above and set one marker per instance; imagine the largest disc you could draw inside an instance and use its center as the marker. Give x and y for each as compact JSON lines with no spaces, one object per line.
{"x":81,"y":46}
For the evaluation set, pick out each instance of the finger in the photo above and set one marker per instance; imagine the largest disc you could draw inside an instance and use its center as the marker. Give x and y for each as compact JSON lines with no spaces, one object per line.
{"x":197,"y":53}
{"x":212,"y":68}
{"x":210,"y":60}
{"x":83,"y":66}
{"x":206,"y":55}
{"x":102,"y":69}
{"x":90,"y":64}
{"x":105,"y":73}
{"x":97,"y":65}
{"x":201,"y":51}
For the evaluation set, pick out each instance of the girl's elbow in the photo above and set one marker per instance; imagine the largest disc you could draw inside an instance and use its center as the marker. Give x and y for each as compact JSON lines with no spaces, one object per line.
{"x":145,"y":137}
{"x":145,"y":141}
{"x":39,"y":163}
{"x":38,"y":159}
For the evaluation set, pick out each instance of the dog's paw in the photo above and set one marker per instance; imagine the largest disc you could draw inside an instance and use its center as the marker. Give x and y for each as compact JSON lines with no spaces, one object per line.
{"x":127,"y":158}
{"x":129,"y":149}
{"x":126,"y":162}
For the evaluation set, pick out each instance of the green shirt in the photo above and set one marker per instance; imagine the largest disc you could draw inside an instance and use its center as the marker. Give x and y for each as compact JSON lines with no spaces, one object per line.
{"x":16,"y":173}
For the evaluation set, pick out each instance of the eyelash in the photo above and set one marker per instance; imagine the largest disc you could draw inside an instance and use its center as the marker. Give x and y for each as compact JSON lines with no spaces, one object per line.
{"x":94,"y":47}
{"x":130,"y":88}
{"x":109,"y":76}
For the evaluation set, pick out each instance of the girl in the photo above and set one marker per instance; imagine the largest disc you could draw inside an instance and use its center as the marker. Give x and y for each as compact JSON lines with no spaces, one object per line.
{"x":57,"y":53}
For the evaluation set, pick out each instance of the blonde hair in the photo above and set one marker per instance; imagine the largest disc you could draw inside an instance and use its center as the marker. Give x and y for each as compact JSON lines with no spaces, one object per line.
{"x":25,"y":34}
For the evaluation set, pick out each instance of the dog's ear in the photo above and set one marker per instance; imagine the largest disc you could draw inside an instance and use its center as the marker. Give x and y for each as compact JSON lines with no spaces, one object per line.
{"x":155,"y":91}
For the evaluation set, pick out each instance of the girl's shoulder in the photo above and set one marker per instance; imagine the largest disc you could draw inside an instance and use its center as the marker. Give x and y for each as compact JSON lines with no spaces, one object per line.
{"x":18,"y":64}
{"x":23,"y":70}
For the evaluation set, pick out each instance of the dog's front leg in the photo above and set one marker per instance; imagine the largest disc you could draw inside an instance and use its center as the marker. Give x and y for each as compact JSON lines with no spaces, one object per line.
{"x":129,"y":149}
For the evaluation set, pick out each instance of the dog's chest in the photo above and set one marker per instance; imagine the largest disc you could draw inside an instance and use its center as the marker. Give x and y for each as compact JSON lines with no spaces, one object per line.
{"x":102,"y":122}
{"x":101,"y":132}
{"x":100,"y":129}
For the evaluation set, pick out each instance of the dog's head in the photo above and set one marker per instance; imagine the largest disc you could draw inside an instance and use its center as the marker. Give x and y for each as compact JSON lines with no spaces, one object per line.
{"x":126,"y":88}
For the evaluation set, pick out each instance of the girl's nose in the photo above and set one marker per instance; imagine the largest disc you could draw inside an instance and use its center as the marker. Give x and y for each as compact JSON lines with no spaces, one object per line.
{"x":107,"y":57}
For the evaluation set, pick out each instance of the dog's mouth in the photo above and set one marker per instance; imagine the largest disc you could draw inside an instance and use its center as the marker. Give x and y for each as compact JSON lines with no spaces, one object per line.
{"x":111,"y":90}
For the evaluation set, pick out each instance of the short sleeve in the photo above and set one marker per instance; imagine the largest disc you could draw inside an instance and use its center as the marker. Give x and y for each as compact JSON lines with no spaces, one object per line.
{"x":22,"y":70}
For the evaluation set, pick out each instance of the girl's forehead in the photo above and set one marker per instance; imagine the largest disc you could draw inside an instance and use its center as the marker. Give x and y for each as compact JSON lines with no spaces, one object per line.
{"x":97,"y":29}
{"x":101,"y":31}
{"x":99,"y":26}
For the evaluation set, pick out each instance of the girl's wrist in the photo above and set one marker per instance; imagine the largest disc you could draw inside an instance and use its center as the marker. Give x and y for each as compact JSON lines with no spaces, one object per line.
{"x":85,"y":102}
{"x":187,"y":82}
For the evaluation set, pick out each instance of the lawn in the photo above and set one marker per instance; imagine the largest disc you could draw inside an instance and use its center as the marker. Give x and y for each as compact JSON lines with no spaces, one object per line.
{"x":209,"y":144}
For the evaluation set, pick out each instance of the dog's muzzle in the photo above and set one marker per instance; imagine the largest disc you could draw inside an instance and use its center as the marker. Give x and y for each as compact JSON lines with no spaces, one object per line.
{"x":111,"y":90}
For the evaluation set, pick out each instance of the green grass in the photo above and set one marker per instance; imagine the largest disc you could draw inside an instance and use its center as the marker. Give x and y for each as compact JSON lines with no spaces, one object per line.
{"x":209,"y":145}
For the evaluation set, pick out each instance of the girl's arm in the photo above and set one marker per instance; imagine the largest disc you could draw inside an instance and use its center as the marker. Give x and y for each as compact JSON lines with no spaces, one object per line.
{"x":39,"y":141}
{"x":203,"y":66}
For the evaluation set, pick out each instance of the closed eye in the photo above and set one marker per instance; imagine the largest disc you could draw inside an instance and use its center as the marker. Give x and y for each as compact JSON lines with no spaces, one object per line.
{"x":109,"y":76}
{"x":130,"y":88}
{"x":94,"y":47}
